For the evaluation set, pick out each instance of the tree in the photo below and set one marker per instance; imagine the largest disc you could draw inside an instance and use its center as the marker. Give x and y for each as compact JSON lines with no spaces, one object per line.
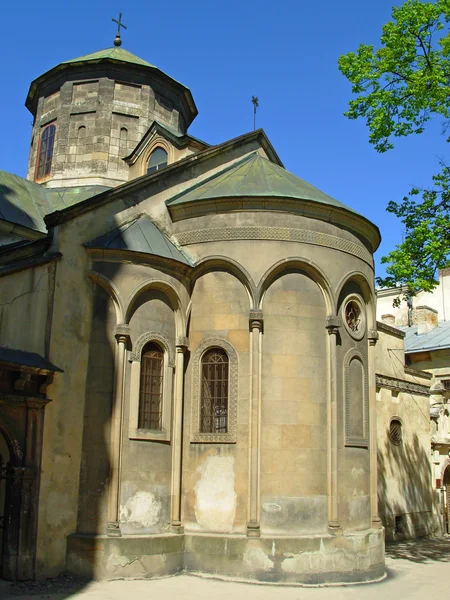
{"x":400,"y":86}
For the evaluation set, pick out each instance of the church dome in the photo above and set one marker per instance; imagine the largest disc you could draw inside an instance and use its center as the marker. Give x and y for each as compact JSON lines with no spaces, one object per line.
{"x":91,"y":112}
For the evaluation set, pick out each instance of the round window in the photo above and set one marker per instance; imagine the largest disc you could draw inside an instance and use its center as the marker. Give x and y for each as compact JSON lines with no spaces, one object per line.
{"x":396,"y":432}
{"x":354,"y":317}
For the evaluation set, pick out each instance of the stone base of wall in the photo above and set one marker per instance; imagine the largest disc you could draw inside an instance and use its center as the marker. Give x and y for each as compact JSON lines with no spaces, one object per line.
{"x":350,"y":558}
{"x":409,"y":526}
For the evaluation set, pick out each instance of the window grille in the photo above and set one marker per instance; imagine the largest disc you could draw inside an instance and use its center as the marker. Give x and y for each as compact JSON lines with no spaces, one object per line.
{"x":395,"y":432}
{"x":158,"y":160}
{"x":446,"y":383}
{"x":45,"y":152}
{"x":151,"y":388}
{"x":353,"y":316}
{"x":214,"y":395}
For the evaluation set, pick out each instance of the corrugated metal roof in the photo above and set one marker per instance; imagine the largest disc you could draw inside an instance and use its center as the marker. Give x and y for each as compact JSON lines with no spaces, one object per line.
{"x":437,"y":338}
{"x":140,"y":235}
{"x":255,"y":176}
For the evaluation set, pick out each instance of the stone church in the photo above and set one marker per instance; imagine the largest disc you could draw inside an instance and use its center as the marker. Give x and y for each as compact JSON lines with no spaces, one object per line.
{"x":187,"y":361}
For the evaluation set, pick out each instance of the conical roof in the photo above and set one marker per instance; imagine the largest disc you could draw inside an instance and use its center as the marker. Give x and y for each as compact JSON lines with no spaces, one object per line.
{"x":114,"y":53}
{"x":139,"y":235}
{"x":255,"y":176}
{"x":117,"y":55}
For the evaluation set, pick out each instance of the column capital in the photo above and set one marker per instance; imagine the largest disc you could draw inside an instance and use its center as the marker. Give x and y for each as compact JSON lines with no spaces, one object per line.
{"x":256,"y":319}
{"x":182,"y":343}
{"x":373,"y":336}
{"x":122,"y":333}
{"x":332,"y":324}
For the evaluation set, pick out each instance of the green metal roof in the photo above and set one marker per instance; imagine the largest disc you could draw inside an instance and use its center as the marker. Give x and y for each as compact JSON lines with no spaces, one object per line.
{"x":255,"y":176}
{"x":26,"y":203}
{"x":113,"y":53}
{"x":140,"y":235}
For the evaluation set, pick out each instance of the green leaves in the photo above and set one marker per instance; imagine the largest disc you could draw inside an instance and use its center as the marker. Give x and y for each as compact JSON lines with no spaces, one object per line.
{"x":399,"y":88}
{"x":426,"y":247}
{"x":407,"y":80}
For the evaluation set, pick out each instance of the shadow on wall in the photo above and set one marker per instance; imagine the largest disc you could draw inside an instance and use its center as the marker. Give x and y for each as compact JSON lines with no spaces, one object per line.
{"x":405,"y":489}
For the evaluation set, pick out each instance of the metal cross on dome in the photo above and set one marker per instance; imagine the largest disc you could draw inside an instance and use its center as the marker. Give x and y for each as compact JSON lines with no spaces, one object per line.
{"x":118,"y":40}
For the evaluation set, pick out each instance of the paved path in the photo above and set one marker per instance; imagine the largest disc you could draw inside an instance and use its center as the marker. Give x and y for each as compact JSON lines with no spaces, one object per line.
{"x":416,"y":571}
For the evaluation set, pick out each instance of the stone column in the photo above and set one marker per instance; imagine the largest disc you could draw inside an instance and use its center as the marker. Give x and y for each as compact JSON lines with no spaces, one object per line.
{"x":332,"y":325}
{"x":254,"y":425}
{"x":177,"y":436}
{"x":122,"y":337}
{"x":376,"y":521}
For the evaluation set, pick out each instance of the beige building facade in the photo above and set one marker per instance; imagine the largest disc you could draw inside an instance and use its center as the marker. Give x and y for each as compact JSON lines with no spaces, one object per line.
{"x":198,"y":327}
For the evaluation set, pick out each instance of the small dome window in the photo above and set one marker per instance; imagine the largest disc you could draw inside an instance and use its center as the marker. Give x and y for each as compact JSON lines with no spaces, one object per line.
{"x":157,"y":161}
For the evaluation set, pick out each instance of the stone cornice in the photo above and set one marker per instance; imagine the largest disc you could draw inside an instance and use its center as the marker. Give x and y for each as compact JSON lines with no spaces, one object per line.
{"x":418,"y":373}
{"x":30,"y":401}
{"x":400,"y":385}
{"x":280,"y":234}
{"x":127,"y":256}
{"x":28,"y":263}
{"x":390,"y":330}
{"x":315,"y":210}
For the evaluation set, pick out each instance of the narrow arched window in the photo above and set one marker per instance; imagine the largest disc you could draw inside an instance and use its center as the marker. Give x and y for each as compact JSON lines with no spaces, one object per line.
{"x":81,"y":132}
{"x":214,"y":394}
{"x":157,"y":161}
{"x":151,"y":388}
{"x":45,"y":152}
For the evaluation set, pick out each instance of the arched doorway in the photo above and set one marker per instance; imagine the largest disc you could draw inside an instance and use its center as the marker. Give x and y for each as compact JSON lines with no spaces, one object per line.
{"x":446,"y":484}
{"x":4,"y":464}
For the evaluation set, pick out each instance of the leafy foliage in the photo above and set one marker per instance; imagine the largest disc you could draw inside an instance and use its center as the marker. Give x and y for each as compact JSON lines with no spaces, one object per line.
{"x":399,"y":87}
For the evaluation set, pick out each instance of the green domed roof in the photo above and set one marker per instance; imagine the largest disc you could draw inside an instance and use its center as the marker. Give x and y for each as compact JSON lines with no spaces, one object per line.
{"x":112,"y":53}
{"x":255,"y":176}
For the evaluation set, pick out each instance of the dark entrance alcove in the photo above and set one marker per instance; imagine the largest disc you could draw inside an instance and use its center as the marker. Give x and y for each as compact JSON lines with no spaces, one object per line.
{"x":24,"y":378}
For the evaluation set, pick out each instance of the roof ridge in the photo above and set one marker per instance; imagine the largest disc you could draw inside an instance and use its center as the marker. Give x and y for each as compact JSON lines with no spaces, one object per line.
{"x":229,"y":167}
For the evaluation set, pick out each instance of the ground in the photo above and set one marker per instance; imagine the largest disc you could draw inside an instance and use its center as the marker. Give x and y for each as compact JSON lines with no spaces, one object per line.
{"x":415,"y":570}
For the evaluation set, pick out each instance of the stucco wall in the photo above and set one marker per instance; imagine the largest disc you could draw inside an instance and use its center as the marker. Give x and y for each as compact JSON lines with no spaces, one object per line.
{"x":404,"y":471}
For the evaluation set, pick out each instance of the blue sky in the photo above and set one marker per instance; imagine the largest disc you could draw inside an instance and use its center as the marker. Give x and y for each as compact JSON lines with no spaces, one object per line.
{"x":284,"y":52}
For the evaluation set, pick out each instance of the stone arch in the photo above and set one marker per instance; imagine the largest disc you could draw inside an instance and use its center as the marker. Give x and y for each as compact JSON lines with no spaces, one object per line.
{"x":366,"y":292}
{"x":228,"y":265}
{"x":169,"y":291}
{"x":12,"y":445}
{"x":152,"y":336}
{"x":293,"y":264}
{"x":360,"y":439}
{"x":112,"y":292}
{"x":158,"y":143}
{"x":445,"y":470}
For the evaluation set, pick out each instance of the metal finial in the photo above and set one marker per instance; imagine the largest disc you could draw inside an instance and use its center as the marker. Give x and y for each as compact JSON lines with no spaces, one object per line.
{"x":118,"y":39}
{"x":255,"y":103}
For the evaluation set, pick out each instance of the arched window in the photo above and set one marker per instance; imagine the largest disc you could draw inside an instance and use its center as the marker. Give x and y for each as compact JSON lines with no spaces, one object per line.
{"x":45,"y":152}
{"x":81,"y":132}
{"x":151,"y":388}
{"x":214,"y":394}
{"x":395,"y":431}
{"x":157,"y":161}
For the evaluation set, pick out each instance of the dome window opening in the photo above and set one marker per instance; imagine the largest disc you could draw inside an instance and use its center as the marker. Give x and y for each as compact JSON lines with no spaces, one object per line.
{"x":45,"y":152}
{"x":157,"y":161}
